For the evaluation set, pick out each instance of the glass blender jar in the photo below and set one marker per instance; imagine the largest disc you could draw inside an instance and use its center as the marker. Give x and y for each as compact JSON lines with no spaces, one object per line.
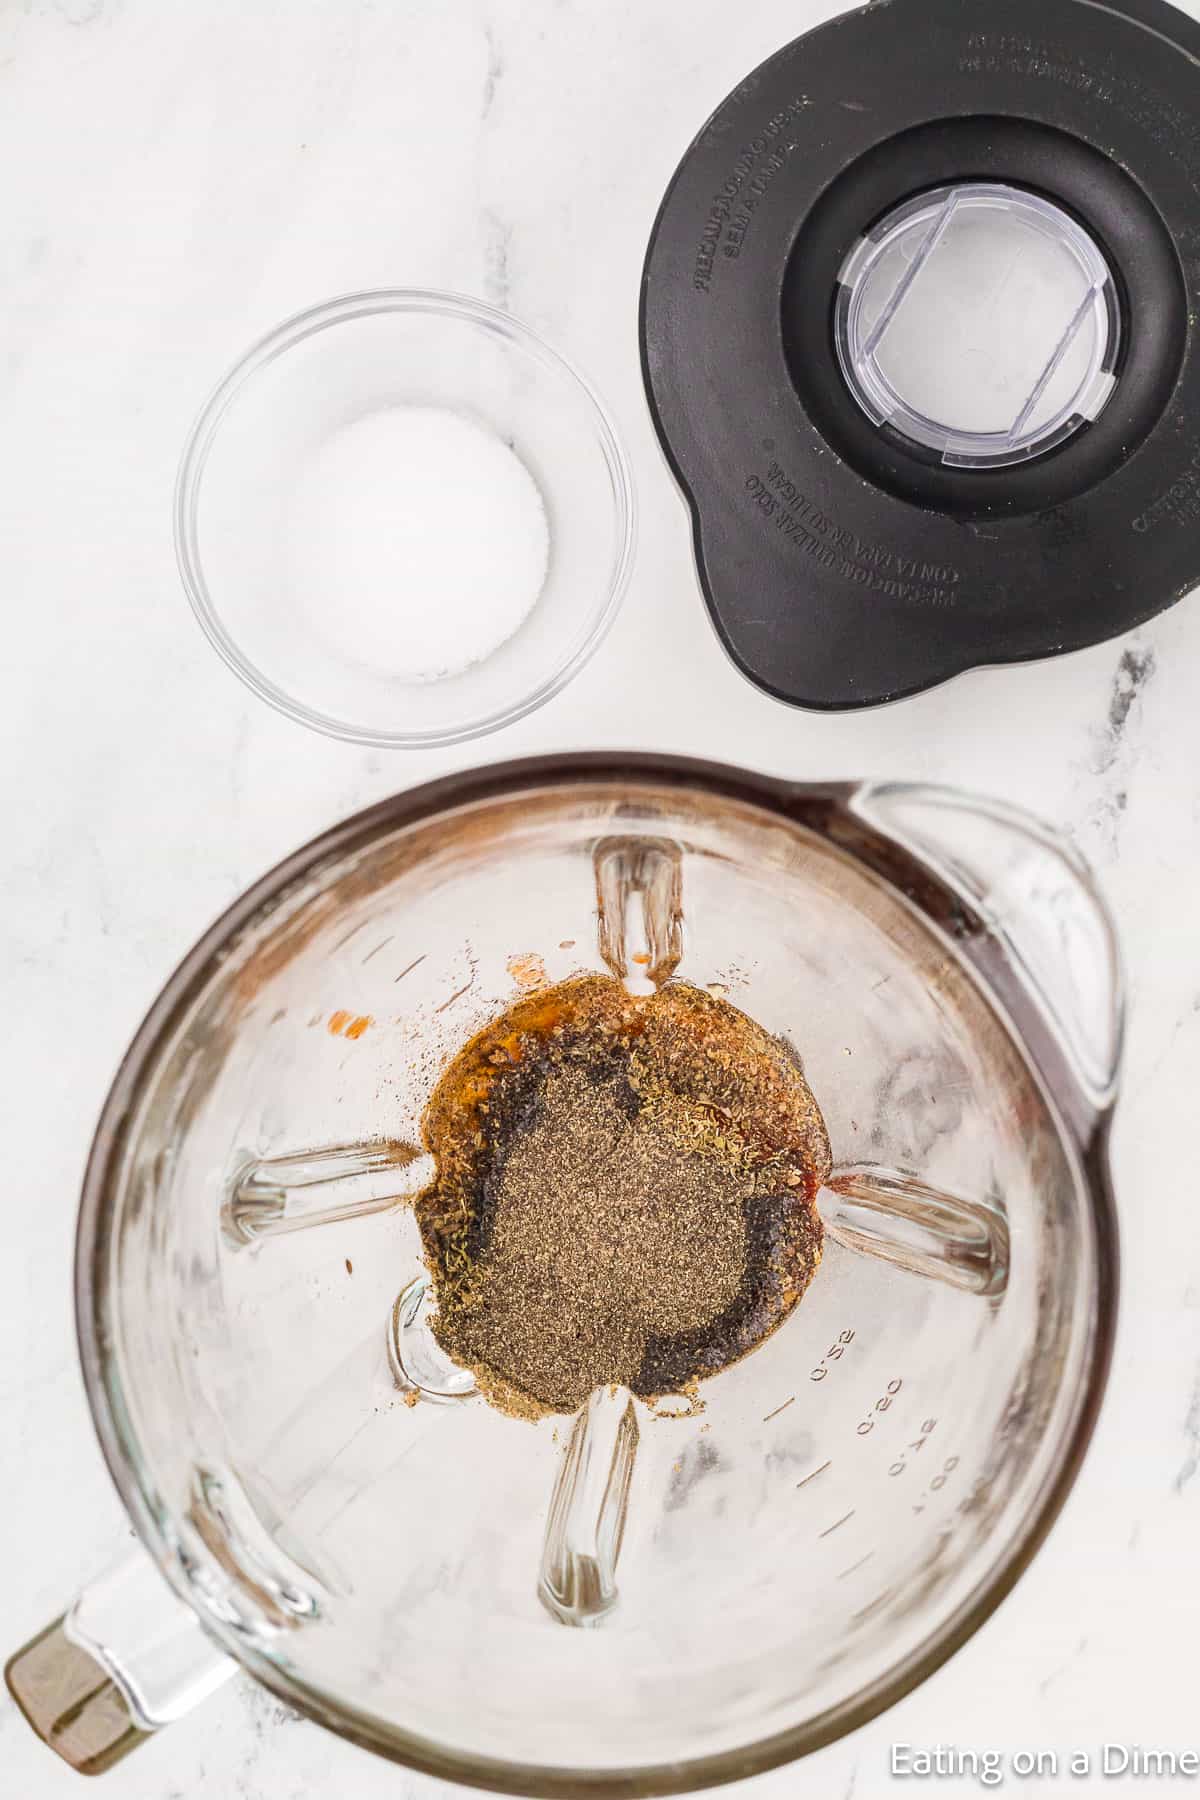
{"x":644,"y":1600}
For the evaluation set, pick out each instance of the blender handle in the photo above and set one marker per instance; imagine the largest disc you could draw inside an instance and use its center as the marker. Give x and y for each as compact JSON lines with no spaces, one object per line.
{"x":127,"y":1658}
{"x":1045,"y":914}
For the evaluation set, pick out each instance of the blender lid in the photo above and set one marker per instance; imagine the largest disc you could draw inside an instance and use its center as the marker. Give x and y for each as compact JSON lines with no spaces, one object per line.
{"x":919,"y":336}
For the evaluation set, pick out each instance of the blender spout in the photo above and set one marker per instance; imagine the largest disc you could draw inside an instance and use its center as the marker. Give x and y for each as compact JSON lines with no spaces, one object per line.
{"x":1048,"y":945}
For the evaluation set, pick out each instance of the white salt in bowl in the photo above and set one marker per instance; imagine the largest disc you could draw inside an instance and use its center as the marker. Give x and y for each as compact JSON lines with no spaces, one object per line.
{"x":403,"y":519}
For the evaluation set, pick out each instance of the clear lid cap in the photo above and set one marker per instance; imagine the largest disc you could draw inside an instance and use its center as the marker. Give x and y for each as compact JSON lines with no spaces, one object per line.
{"x":980,"y":322}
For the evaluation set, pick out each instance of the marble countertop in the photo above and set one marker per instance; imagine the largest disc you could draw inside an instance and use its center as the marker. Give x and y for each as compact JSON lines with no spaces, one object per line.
{"x":182,"y":177}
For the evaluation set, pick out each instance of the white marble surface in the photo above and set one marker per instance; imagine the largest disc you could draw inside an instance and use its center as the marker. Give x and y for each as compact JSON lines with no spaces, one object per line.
{"x":178,"y":178}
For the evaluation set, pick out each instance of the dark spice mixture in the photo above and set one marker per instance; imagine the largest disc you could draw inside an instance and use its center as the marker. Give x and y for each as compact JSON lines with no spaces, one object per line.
{"x":625,"y":1193}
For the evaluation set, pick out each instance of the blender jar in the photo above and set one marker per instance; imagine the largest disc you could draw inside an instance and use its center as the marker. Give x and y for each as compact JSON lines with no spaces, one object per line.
{"x":649,"y":1599}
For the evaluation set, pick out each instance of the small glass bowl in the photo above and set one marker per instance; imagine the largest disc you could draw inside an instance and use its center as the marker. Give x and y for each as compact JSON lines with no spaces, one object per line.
{"x":319,"y":372}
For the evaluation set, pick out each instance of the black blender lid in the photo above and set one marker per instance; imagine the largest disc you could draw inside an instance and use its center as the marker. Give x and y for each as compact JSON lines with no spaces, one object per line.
{"x":853,"y":545}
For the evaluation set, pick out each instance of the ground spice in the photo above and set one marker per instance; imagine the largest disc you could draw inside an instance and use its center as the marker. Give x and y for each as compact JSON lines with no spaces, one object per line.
{"x":624,"y":1193}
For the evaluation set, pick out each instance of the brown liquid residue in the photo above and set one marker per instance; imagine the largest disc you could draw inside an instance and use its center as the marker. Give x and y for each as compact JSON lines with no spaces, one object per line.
{"x":624,"y":1194}
{"x":344,"y":1024}
{"x":528,"y":971}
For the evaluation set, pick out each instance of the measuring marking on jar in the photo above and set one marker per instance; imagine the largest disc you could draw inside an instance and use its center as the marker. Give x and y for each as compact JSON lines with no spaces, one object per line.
{"x":882,"y":1405}
{"x":927,"y":1428}
{"x":833,"y":1354}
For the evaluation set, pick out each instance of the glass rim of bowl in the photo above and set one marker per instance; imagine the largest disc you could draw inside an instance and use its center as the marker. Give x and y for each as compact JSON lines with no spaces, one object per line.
{"x":287,"y":335}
